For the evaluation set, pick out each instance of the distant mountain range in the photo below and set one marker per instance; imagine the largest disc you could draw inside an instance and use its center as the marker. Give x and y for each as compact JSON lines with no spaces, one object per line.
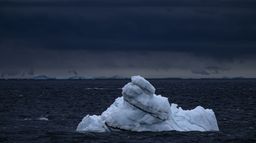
{"x":42,"y":77}
{"x":80,"y":77}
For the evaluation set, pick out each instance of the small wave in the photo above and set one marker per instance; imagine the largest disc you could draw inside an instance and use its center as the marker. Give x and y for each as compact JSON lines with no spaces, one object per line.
{"x":43,"y":119}
{"x":27,"y":119}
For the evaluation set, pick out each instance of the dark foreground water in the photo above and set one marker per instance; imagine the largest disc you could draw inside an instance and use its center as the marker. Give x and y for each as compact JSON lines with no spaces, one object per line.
{"x":49,"y":110}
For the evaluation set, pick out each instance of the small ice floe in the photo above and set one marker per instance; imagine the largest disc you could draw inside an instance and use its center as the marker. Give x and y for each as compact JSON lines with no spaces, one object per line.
{"x":140,"y":109}
{"x":42,"y":119}
{"x":39,"y":118}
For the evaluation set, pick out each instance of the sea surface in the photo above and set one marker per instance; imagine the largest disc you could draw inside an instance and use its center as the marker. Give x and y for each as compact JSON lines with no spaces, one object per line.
{"x":44,"y":111}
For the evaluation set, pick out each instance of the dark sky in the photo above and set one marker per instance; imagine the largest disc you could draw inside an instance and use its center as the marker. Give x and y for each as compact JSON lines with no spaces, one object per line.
{"x":106,"y":38}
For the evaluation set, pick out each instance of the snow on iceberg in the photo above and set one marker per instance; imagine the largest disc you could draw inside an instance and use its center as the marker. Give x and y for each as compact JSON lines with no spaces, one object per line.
{"x":140,"y":109}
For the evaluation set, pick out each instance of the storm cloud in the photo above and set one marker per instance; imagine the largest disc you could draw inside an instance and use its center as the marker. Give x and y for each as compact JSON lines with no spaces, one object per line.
{"x":156,"y":38}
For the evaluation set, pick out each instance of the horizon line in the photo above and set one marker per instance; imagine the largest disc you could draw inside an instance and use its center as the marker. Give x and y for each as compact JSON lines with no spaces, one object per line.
{"x":126,"y":78}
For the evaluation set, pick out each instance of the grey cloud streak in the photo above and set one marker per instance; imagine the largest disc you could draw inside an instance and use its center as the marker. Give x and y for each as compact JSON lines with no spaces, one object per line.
{"x":119,"y":63}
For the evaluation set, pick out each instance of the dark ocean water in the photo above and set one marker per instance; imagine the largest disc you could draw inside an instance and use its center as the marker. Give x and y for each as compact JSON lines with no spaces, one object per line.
{"x":25,"y":106}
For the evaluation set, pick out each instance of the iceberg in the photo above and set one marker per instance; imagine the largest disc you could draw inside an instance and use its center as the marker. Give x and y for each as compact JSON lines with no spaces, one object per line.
{"x":140,"y":109}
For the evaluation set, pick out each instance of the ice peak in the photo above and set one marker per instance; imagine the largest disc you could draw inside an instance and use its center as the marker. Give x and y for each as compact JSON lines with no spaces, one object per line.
{"x":143,"y":83}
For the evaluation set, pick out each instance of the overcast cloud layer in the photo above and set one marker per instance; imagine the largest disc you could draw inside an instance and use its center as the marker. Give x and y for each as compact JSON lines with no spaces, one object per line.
{"x":154,"y":38}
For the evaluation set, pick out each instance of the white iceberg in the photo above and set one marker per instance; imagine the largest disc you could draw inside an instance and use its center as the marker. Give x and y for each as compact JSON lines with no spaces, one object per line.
{"x":140,"y":109}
